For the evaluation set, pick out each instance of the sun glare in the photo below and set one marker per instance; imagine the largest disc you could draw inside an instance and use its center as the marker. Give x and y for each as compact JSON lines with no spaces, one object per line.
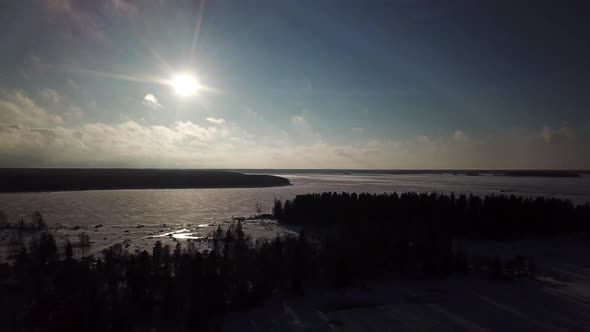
{"x":185,"y":84}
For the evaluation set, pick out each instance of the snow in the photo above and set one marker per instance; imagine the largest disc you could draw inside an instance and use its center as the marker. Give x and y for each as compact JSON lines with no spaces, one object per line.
{"x":142,"y":237}
{"x":558,"y":299}
{"x":427,"y":305}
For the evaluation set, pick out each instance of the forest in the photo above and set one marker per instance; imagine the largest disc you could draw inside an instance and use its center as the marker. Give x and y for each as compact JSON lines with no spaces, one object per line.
{"x":346,"y":240}
{"x":496,"y":217}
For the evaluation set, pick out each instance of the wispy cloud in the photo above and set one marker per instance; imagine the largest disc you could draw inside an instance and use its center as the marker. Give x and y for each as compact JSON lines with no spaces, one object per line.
{"x":358,"y":130}
{"x":188,"y":144}
{"x":559,"y":135}
{"x":51,"y":94}
{"x":121,"y":7}
{"x":17,"y":108}
{"x":300,"y":122}
{"x":31,"y":136}
{"x":218,"y":121}
{"x":459,"y":136}
{"x":423,"y":139}
{"x":63,"y":5}
{"x":151,"y":101}
{"x":304,"y":129}
{"x":301,"y":125}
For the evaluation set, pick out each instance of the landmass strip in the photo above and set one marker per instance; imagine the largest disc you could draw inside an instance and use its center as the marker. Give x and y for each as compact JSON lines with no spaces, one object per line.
{"x":44,"y":179}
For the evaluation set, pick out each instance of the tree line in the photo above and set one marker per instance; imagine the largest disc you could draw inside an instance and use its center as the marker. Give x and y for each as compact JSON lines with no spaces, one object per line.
{"x":492,"y":217}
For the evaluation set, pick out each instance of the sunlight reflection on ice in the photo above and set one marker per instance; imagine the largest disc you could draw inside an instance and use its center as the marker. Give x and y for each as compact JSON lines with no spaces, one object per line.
{"x":178,"y":234}
{"x":187,"y":236}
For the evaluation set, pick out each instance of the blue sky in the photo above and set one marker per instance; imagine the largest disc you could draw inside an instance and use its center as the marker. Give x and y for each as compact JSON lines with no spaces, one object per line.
{"x":295,"y":84}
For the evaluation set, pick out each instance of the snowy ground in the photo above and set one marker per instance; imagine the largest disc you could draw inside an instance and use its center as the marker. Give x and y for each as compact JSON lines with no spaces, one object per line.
{"x":140,"y":236}
{"x":558,"y":300}
{"x":442,"y":305}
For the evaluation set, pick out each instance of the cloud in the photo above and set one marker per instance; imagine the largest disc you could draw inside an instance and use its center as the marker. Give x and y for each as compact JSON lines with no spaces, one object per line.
{"x":51,"y":94}
{"x":300,"y":122}
{"x":423,"y":139}
{"x":551,"y":135}
{"x":304,"y":130}
{"x":30,"y":136}
{"x":187,"y":144}
{"x":121,"y":7}
{"x":79,"y":24}
{"x":459,"y":136}
{"x":182,"y":144}
{"x":62,"y":5}
{"x":112,"y":7}
{"x":218,"y":121}
{"x":151,"y":101}
{"x":73,"y":84}
{"x":358,"y":130}
{"x":17,"y":108}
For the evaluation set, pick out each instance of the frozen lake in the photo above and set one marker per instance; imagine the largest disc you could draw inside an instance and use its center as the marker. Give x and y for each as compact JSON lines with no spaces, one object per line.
{"x":198,"y":206}
{"x":138,"y":218}
{"x":556,"y":300}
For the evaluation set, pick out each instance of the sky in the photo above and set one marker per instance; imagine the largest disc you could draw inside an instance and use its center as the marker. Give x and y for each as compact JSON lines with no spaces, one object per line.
{"x":398,"y":84}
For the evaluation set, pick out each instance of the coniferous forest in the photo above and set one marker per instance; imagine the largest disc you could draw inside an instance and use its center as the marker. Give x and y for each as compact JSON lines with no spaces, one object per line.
{"x":346,"y":240}
{"x":492,"y":217}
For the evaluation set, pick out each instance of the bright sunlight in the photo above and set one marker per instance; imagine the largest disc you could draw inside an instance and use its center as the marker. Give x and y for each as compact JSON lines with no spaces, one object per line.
{"x":185,"y":85}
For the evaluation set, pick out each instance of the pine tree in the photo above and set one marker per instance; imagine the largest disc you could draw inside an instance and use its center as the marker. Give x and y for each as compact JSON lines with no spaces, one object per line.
{"x":277,"y":209}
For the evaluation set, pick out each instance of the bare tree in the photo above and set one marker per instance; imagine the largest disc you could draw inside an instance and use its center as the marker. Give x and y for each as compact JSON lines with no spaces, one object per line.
{"x":84,"y":242}
{"x":3,"y":219}
{"x":37,"y":220}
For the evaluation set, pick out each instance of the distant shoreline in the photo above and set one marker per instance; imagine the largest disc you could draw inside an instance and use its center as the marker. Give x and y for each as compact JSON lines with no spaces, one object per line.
{"x":473,"y":172}
{"x":53,"y":180}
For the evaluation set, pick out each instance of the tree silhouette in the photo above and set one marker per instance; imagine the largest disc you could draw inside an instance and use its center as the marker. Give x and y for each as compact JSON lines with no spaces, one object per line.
{"x":84,"y":242}
{"x":277,"y":209}
{"x":38,"y":221}
{"x":68,"y":250}
{"x":3,"y":219}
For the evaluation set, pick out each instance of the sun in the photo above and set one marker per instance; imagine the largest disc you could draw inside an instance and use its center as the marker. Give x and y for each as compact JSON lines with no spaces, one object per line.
{"x":185,"y":84}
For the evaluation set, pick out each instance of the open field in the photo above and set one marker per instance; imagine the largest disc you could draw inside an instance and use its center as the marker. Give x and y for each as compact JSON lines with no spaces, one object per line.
{"x":558,"y":299}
